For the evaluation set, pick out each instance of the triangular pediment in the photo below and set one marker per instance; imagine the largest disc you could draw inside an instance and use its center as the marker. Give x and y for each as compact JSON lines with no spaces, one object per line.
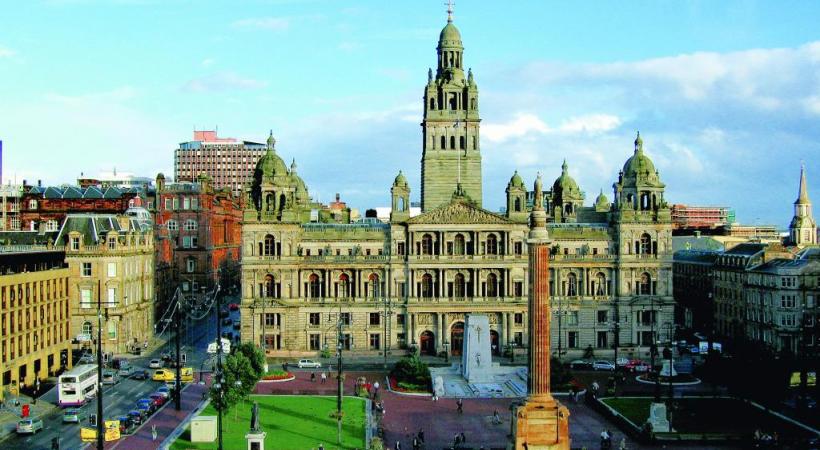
{"x":459,"y":212}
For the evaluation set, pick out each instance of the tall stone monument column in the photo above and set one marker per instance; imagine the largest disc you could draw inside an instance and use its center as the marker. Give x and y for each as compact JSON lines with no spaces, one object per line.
{"x":541,"y":423}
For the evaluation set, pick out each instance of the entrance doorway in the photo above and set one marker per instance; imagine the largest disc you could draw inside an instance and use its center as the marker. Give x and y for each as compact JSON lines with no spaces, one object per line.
{"x":457,"y":339}
{"x":427,"y":344}
{"x":496,"y":349}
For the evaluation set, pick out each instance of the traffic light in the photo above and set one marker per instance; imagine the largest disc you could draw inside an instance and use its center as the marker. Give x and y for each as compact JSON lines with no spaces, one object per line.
{"x":184,"y":357}
{"x":92,"y":420}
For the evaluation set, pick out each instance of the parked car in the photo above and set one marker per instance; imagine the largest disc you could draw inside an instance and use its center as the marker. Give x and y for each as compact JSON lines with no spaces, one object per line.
{"x":637,"y":365}
{"x":163,"y":375}
{"x":71,"y":415}
{"x":621,"y":362}
{"x":308,"y":363}
{"x":580,"y":364}
{"x":136,"y":416}
{"x":110,"y":377}
{"x":155,"y":364}
{"x":233,"y":307}
{"x":158,"y":399}
{"x":147,"y":403}
{"x":164,"y":391}
{"x":603,"y":365}
{"x":125,"y":369}
{"x":139,"y":374}
{"x":87,"y":358}
{"x":29,"y":426}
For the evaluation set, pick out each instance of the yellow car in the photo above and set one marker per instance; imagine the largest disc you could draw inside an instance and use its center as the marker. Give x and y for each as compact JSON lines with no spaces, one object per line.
{"x":163,"y":375}
{"x":186,"y":375}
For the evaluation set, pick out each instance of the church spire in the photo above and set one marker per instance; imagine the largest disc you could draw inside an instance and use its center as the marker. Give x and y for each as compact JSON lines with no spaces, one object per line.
{"x":803,"y":195}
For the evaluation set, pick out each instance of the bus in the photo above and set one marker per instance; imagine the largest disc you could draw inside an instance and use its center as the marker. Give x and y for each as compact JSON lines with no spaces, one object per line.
{"x":77,"y":386}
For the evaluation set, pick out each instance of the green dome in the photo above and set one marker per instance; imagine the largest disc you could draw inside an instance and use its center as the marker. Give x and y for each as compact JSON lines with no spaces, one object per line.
{"x":639,"y":166}
{"x":601,"y":203}
{"x":565,"y":185}
{"x":516,"y":180}
{"x":449,"y":37}
{"x":400,"y":180}
{"x":270,"y":164}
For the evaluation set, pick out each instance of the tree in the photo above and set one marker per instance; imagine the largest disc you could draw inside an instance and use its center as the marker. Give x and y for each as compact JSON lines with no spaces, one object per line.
{"x":254,"y":356}
{"x":411,"y":370}
{"x":236,"y":368}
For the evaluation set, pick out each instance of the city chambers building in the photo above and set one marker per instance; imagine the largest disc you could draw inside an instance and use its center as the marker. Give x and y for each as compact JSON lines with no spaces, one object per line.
{"x":313,"y":280}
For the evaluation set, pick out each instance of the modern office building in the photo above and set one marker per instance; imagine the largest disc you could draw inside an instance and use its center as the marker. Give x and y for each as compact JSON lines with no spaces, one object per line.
{"x":35,"y":316}
{"x":228,"y":162}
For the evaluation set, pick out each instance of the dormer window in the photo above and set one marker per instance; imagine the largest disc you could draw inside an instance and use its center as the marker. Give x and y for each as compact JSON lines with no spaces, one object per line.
{"x":112,"y":242}
{"x":32,"y":204}
{"x":75,"y":243}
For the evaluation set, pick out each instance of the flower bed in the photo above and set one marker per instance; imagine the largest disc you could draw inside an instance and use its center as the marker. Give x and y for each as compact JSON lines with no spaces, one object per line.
{"x":407,"y":387}
{"x":278,"y":375}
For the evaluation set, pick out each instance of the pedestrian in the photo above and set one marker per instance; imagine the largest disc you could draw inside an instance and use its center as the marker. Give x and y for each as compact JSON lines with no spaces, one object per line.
{"x":435,"y":396}
{"x":623,"y":444}
{"x":496,"y":417}
{"x":463,"y":438}
{"x":456,"y":440}
{"x":421,"y":435}
{"x":321,"y":447}
{"x":324,"y":377}
{"x":313,"y":377}
{"x":398,"y":445}
{"x":415,"y":443}
{"x":375,"y":388}
{"x":153,"y":432}
{"x":460,"y":406}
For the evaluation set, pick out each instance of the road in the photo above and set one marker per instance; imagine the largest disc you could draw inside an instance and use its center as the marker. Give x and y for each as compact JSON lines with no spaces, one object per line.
{"x":120,"y":398}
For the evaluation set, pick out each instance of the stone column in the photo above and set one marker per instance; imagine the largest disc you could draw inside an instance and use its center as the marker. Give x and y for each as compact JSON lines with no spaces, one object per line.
{"x":539,"y":315}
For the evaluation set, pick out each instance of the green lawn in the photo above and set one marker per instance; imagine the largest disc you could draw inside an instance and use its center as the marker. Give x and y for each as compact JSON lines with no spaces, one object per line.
{"x":291,"y":422}
{"x":709,"y":416}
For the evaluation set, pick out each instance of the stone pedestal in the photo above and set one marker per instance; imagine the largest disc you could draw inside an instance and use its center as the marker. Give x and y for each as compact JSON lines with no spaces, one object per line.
{"x":256,"y":441}
{"x":476,"y":359}
{"x":668,"y":369}
{"x":541,"y":424}
{"x":657,"y":418}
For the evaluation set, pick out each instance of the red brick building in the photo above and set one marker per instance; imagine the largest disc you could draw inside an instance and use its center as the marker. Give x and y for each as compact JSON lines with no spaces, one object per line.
{"x":47,"y":207}
{"x":197,"y":231}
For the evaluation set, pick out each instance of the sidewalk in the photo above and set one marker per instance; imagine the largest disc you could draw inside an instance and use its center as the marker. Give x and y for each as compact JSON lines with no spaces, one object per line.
{"x":10,"y":414}
{"x":166,"y":420}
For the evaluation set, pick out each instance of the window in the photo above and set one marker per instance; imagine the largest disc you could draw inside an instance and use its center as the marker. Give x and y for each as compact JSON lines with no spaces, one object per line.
{"x":518,"y":338}
{"x":373,"y":286}
{"x":51,"y":225}
{"x":270,"y":244}
{"x":601,"y":342}
{"x":344,"y":286}
{"x":518,"y":248}
{"x":112,"y":269}
{"x":426,"y":245}
{"x":112,"y":330}
{"x":315,"y":319}
{"x":458,"y":245}
{"x":572,"y":339}
{"x":314,"y":286}
{"x":644,"y":286}
{"x":459,"y":286}
{"x":492,"y":245}
{"x":189,"y":242}
{"x":85,"y":298}
{"x":518,"y":318}
{"x":195,"y":203}
{"x":112,"y":242}
{"x":75,"y":243}
{"x":345,"y":318}
{"x":427,"y":286}
{"x":600,"y":285}
{"x":602,"y":316}
{"x":572,"y":285}
{"x":400,"y":319}
{"x":168,"y":204}
{"x":400,"y":248}
{"x":85,"y":269}
{"x":190,"y":265}
{"x":32,"y":204}
{"x":492,"y":285}
{"x":374,"y":319}
{"x":314,"y":341}
{"x":375,"y":341}
{"x":191,"y":225}
{"x":112,"y":297}
{"x":172,"y":225}
{"x":186,"y":203}
{"x":572,"y":318}
{"x":87,"y":328}
{"x":176,"y":203}
{"x":518,"y":288}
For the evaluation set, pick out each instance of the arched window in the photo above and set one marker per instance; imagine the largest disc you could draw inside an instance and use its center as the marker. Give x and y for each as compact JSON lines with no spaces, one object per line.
{"x":492,"y":245}
{"x":426,"y":286}
{"x":432,"y":104}
{"x":87,"y":328}
{"x":374,"y":286}
{"x":270,"y":244}
{"x":568,"y":208}
{"x":458,"y":244}
{"x":269,"y":286}
{"x":462,"y":142}
{"x":344,"y":286}
{"x":517,"y":204}
{"x":402,"y":206}
{"x":443,"y":143}
{"x":600,"y":284}
{"x":492,"y":285}
{"x":472,"y":103}
{"x":427,"y":245}
{"x":458,"y":286}
{"x":269,"y":202}
{"x":452,"y":142}
{"x":646,"y":244}
{"x":572,"y":285}
{"x":645,"y":285}
{"x":314,"y":286}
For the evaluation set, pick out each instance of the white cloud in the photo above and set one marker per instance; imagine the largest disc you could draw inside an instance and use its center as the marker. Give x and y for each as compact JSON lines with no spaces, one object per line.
{"x":592,"y":123}
{"x":223,"y":81}
{"x":263,"y":23}
{"x":523,"y":124}
{"x":208,"y":62}
{"x":6,"y":52}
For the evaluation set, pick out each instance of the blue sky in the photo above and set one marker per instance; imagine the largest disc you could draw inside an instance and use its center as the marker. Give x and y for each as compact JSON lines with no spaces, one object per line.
{"x":726,"y":94}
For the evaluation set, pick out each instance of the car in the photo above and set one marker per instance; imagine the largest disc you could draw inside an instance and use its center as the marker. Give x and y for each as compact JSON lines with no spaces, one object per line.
{"x":155,"y":364}
{"x":164,"y":391}
{"x":147,"y":403}
{"x":158,"y":399}
{"x":110,"y":377}
{"x":71,"y":415}
{"x":125,"y":370}
{"x":163,"y":375}
{"x":136,"y":416}
{"x":125,"y":424}
{"x":603,"y":365}
{"x":308,"y":363}
{"x":580,"y":364}
{"x":621,"y":362}
{"x":233,"y":307}
{"x":139,"y":374}
{"x":29,"y":426}
{"x":87,"y":358}
{"x":637,"y":365}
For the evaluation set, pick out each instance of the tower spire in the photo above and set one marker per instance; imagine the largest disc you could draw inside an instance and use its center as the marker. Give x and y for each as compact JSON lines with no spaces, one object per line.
{"x":803,"y":194}
{"x":450,"y":5}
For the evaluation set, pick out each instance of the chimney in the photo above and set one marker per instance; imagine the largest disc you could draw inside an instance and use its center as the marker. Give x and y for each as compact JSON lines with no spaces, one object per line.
{"x":39,"y":183}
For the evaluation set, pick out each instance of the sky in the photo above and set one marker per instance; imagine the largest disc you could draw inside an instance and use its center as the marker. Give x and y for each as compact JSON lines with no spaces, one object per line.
{"x":726,"y":94}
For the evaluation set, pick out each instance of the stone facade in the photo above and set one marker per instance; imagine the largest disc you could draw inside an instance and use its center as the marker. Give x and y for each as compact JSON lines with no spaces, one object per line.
{"x":111,"y":262}
{"x":411,"y":281}
{"x":35,"y":338}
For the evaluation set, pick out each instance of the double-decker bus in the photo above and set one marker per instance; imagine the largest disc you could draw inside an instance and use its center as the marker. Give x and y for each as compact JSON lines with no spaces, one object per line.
{"x":77,"y":386}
